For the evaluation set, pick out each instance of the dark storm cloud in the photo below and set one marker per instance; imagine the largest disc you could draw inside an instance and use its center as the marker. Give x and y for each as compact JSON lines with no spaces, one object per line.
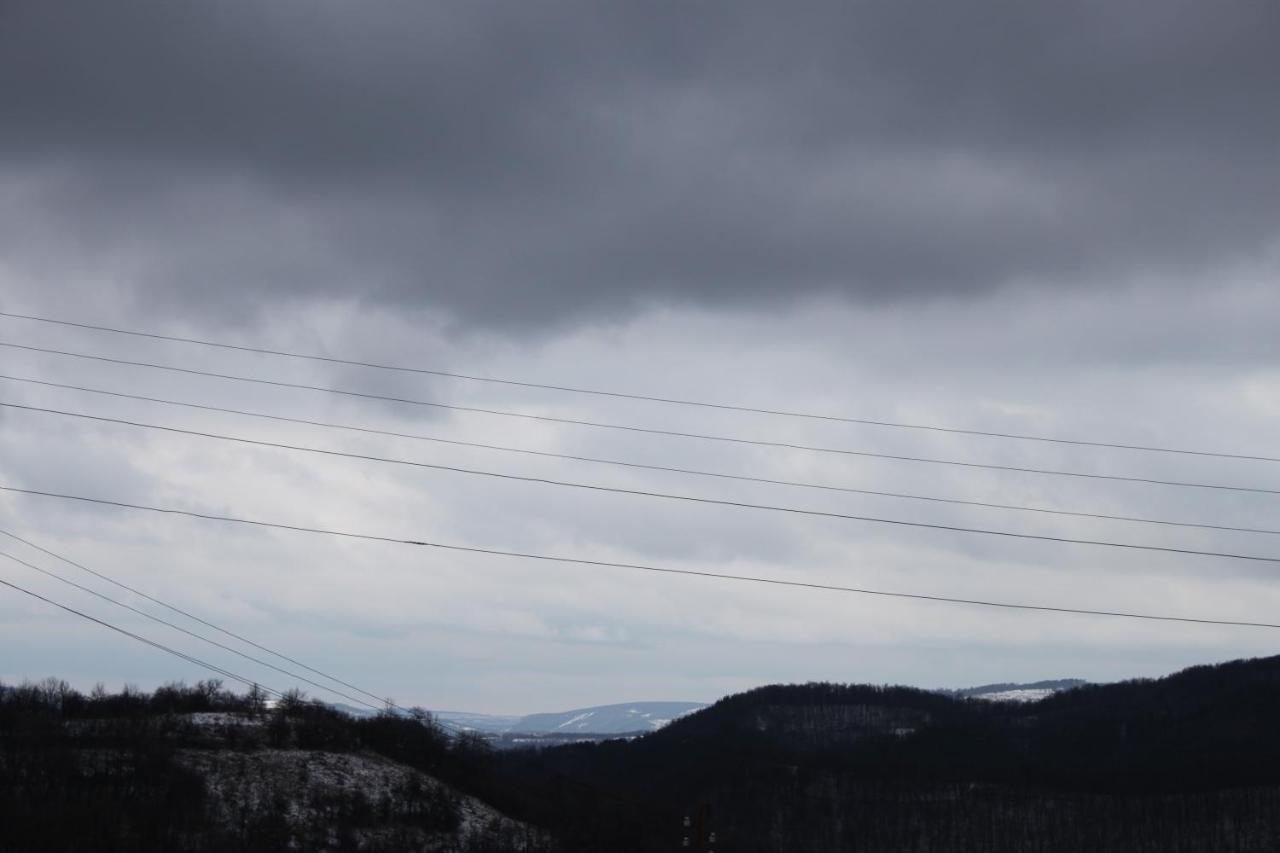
{"x":523,"y":162}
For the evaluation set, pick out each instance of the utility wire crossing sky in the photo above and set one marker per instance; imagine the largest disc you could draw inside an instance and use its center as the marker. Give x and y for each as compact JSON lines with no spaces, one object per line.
{"x":607,"y":564}
{"x":671,"y":469}
{"x":917,"y":264}
{"x":622,"y":394}
{"x":649,"y":430}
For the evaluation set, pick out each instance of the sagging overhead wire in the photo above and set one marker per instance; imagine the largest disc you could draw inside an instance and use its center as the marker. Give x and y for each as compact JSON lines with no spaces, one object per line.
{"x":383,"y":703}
{"x":645,"y":430}
{"x":178,"y":610}
{"x":635,"y":465}
{"x":547,"y":481}
{"x":226,"y":673}
{"x":189,"y":633}
{"x":370,"y":537}
{"x":599,"y":392}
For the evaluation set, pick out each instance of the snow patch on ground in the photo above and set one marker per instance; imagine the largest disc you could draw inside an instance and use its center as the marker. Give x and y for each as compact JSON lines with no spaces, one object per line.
{"x":1020,"y":695}
{"x":314,"y":787}
{"x":576,"y":720}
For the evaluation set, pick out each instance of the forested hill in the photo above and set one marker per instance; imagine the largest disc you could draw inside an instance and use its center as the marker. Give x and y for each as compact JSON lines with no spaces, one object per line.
{"x":1185,"y":763}
{"x":198,"y":768}
{"x":1188,"y":762}
{"x":1209,"y":707}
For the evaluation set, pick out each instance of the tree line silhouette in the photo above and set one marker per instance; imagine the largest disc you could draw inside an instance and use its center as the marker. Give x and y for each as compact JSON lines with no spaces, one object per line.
{"x":1186,"y":763}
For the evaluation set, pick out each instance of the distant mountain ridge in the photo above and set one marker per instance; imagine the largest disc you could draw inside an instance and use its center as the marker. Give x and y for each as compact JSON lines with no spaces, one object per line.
{"x":632,"y":717}
{"x":608,"y":719}
{"x":471,"y":721}
{"x":623,"y":718}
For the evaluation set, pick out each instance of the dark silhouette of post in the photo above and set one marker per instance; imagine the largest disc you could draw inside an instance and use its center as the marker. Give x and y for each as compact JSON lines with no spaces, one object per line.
{"x":698,"y":835}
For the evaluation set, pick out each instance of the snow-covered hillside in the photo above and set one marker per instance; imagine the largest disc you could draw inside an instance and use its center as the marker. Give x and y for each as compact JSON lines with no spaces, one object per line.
{"x":1006,"y":692}
{"x":607,"y":719}
{"x":317,"y":787}
{"x":602,"y":719}
{"x":1023,"y":694}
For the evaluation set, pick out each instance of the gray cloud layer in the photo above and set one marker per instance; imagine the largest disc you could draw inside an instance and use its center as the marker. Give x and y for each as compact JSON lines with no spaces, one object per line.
{"x":1047,"y":218}
{"x":515,"y":165}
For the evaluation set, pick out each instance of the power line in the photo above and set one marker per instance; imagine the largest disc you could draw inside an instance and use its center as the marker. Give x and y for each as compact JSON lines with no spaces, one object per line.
{"x":383,"y":701}
{"x":546,"y":481}
{"x":193,"y":634}
{"x":212,"y":668}
{"x":636,"y":429}
{"x":642,"y":397}
{"x":370,"y":537}
{"x":181,"y":612}
{"x":635,"y":465}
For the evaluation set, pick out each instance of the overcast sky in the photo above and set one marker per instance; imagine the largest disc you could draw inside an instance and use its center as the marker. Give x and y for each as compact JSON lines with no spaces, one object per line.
{"x":1052,"y":219}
